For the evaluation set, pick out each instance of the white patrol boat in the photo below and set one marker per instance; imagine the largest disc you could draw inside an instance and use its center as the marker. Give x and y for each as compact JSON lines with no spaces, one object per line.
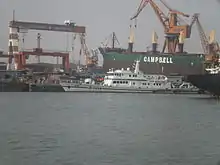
{"x":122,"y":81}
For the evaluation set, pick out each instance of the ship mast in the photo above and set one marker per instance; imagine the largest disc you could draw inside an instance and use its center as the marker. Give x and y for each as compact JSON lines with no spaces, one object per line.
{"x":114,"y":39}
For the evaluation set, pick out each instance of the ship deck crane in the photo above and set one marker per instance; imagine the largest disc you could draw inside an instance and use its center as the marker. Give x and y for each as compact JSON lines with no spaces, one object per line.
{"x":171,"y":25}
{"x":113,"y":38}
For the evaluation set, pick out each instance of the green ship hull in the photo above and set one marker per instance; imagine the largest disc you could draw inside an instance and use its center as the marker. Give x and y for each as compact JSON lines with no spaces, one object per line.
{"x":155,"y":63}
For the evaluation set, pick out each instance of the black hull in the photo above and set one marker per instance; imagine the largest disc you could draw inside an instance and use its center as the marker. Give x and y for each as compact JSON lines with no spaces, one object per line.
{"x":206,"y":82}
{"x":166,"y":69}
{"x":13,"y":87}
{"x":46,"y":88}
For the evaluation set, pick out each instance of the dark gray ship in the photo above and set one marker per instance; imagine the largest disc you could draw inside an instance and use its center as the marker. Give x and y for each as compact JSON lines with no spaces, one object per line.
{"x":209,"y":81}
{"x":13,"y":81}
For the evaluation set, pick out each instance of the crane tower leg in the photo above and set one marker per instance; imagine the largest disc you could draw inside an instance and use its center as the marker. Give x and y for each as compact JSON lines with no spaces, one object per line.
{"x":13,"y":43}
{"x":170,"y":44}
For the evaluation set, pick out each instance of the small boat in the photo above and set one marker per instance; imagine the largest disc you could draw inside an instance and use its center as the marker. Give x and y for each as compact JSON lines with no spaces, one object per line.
{"x":185,"y":87}
{"x":56,"y":85}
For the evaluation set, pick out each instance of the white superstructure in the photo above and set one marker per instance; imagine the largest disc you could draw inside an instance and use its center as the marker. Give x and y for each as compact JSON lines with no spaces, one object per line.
{"x":136,"y":79}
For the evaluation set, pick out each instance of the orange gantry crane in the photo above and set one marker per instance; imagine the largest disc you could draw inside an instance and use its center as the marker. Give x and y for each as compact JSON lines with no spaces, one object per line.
{"x":170,"y":22}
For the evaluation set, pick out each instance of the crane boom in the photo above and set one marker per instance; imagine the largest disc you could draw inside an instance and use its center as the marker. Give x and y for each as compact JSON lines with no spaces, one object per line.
{"x":173,"y":10}
{"x":161,"y":16}
{"x":202,"y":35}
{"x":140,"y":8}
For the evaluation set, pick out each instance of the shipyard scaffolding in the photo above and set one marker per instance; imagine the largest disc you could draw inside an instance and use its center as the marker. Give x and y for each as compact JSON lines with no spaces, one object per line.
{"x":20,"y":56}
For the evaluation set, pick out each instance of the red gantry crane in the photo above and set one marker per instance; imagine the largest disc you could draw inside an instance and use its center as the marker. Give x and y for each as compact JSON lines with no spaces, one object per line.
{"x":20,"y":56}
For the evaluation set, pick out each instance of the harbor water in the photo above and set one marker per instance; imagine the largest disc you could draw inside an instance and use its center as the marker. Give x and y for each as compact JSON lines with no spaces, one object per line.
{"x":108,"y":129}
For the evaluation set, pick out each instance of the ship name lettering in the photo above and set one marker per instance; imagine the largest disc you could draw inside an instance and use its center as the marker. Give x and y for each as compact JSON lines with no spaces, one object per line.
{"x":163,"y":60}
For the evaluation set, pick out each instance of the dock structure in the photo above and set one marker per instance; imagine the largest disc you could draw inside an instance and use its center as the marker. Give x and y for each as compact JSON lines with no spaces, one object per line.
{"x":15,"y":27}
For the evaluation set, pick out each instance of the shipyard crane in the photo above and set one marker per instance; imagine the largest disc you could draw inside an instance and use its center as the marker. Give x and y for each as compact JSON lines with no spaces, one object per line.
{"x":170,"y":22}
{"x":209,"y":45}
{"x":90,"y":60}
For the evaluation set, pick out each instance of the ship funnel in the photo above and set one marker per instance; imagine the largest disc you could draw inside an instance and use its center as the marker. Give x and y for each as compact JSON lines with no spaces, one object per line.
{"x":131,"y":40}
{"x":154,"y":41}
{"x":181,"y":42}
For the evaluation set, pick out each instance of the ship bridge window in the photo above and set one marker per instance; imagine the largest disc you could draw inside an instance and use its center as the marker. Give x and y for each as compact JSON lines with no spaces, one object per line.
{"x":129,"y":75}
{"x":114,"y":82}
{"x":117,"y":74}
{"x":185,"y":86}
{"x":134,"y":75}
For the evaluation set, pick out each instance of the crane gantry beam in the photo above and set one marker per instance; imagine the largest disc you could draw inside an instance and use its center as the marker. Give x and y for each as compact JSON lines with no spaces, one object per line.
{"x":46,"y":27}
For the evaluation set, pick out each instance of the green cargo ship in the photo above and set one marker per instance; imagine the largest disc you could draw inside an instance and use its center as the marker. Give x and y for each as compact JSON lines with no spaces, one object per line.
{"x":155,"y":63}
{"x":152,"y":61}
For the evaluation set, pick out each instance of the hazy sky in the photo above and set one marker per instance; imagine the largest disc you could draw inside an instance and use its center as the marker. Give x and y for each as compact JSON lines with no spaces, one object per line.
{"x":102,"y":17}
